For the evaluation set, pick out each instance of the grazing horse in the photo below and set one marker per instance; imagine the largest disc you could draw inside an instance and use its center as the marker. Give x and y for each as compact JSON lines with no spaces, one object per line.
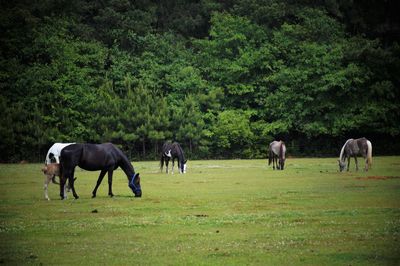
{"x":51,"y":171}
{"x":173,"y":151}
{"x":353,"y":148}
{"x":51,"y":167}
{"x":277,"y":149}
{"x":93,"y":157}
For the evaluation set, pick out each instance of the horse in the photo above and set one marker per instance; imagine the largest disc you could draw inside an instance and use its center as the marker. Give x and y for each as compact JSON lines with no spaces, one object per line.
{"x":51,"y":171}
{"x":53,"y":154}
{"x":353,"y":148}
{"x":93,"y":157}
{"x":51,"y":167}
{"x":173,"y":151}
{"x":277,"y":149}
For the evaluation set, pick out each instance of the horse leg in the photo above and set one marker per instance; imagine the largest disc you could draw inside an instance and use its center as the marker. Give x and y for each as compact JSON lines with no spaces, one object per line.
{"x":62,"y":186}
{"x":278,"y":163}
{"x":65,"y":190}
{"x":348,"y":163}
{"x":273,"y":162}
{"x":71,"y":181}
{"x":66,"y":172}
{"x":101,"y":176}
{"x":355,"y":159}
{"x":166,"y":165}
{"x":173,"y":164}
{"x":46,"y":184}
{"x":366,"y":163}
{"x":53,"y":179}
{"x":68,"y":187}
{"x":110,"y":175}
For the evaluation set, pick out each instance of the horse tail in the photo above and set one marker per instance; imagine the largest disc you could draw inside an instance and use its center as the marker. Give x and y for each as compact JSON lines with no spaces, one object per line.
{"x":369,"y":153}
{"x":281,"y":150}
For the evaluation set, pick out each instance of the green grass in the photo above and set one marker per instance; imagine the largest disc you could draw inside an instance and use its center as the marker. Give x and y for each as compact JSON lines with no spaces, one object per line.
{"x":233,"y":212}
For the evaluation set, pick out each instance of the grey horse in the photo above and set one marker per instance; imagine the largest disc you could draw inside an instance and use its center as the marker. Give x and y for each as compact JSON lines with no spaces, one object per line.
{"x":277,"y":151}
{"x":354,"y":148}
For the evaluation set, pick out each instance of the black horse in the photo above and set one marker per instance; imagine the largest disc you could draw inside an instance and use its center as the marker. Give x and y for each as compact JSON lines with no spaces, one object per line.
{"x":173,"y":151}
{"x":93,"y":157}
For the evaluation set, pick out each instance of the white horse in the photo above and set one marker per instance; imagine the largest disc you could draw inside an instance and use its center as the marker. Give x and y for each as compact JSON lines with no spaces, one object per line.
{"x":353,"y":148}
{"x":53,"y":154}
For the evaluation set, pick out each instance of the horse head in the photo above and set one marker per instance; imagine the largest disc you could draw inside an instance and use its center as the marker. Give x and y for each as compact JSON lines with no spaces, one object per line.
{"x":183,"y":167}
{"x":134,"y":184}
{"x":342,"y":165}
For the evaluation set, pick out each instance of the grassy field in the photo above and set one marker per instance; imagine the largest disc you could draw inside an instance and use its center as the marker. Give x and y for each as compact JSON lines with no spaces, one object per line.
{"x":234,"y":212}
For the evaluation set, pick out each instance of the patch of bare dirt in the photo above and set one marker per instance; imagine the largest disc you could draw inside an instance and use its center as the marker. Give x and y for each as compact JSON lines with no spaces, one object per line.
{"x":376,"y":177}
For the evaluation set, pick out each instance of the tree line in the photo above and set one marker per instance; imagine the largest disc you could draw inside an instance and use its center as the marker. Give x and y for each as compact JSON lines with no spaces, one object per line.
{"x":223,"y":78}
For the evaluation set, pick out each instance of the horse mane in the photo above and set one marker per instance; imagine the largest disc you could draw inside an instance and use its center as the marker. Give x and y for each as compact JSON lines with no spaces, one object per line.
{"x":124,"y":163}
{"x":181,"y":154}
{"x":342,"y":150}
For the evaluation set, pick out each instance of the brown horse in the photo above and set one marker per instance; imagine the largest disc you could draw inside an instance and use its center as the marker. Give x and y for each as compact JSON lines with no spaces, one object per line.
{"x":51,"y":171}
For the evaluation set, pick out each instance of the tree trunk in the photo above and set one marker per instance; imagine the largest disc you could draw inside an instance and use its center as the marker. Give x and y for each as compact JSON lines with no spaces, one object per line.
{"x":155,"y":149}
{"x":144,"y":147}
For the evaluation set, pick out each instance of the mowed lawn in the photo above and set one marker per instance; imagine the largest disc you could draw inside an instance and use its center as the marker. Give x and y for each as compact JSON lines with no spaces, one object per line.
{"x":231,"y":212}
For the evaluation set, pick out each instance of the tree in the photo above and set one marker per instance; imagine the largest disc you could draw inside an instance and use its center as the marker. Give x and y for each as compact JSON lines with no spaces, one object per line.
{"x":232,"y":133}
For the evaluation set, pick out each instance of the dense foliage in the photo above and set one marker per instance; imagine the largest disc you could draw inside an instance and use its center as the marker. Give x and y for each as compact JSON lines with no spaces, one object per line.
{"x":223,"y":78}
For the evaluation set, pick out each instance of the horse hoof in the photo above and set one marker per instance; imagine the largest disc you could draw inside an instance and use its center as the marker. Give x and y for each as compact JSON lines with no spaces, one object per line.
{"x":76,"y":197}
{"x":111,"y":195}
{"x":93,"y":196}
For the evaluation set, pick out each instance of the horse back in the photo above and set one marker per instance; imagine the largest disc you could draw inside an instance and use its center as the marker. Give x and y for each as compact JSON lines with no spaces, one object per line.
{"x":71,"y":155}
{"x":356,"y":147}
{"x":275,"y":147}
{"x":91,"y":157}
{"x":362,"y":144}
{"x":99,"y":156}
{"x":51,"y":169}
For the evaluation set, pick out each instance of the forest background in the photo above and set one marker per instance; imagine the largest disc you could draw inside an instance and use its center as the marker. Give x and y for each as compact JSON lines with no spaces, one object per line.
{"x":223,"y":78}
